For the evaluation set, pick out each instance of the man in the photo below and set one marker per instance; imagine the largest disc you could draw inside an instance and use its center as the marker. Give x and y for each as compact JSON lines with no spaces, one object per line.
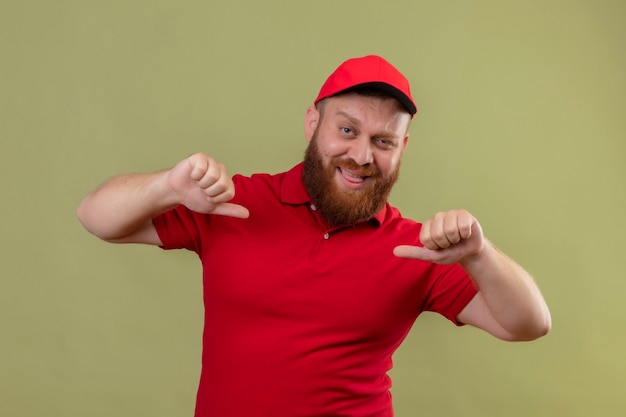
{"x":311,"y":279}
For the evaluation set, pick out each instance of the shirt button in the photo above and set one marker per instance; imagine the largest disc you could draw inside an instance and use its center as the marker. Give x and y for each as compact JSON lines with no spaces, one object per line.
{"x":326,"y":236}
{"x":313,"y":207}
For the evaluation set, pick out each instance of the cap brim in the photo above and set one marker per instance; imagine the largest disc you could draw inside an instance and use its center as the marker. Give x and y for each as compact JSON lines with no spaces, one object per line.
{"x":389,"y":89}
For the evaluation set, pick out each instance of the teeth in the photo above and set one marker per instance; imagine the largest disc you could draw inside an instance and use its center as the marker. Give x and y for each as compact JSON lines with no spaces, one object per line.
{"x":350,"y":174}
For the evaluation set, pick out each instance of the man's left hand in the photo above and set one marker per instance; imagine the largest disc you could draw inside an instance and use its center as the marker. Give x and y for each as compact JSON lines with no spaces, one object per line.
{"x":449,"y":237}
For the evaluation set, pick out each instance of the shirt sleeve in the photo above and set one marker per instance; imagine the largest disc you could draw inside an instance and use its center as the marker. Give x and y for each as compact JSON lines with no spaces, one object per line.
{"x":451,"y":292}
{"x":179,"y":228}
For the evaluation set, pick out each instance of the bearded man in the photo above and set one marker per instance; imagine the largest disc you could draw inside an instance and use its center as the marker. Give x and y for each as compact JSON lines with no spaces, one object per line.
{"x":311,"y":279}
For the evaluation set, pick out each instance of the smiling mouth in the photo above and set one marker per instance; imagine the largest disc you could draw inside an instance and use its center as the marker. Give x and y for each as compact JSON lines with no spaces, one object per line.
{"x":351,"y":176}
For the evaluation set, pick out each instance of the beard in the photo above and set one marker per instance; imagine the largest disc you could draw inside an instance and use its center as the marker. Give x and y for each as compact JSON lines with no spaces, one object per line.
{"x":342,"y":206}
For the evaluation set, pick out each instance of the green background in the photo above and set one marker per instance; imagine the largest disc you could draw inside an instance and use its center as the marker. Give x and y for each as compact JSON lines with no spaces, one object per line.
{"x":521,"y":121}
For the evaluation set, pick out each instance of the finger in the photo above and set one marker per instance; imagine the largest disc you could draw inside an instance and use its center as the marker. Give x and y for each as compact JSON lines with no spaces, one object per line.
{"x":438,"y":231}
{"x":441,"y":256}
{"x":451,"y":229}
{"x":415,"y":252}
{"x":199,"y":166}
{"x":425,"y":236}
{"x":465,"y":222}
{"x":221,"y":191}
{"x":407,"y":251}
{"x":214,"y":172}
{"x":231,"y":210}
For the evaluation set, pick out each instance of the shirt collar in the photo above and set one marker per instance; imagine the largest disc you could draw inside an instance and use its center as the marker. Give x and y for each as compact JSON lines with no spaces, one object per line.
{"x":293,"y":192}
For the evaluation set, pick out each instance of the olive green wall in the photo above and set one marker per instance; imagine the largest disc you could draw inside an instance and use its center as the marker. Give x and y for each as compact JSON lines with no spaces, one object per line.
{"x":521,"y":121}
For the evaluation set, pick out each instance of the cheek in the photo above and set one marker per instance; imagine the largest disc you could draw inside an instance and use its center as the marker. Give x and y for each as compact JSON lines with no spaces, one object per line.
{"x":388,"y":163}
{"x":330,"y":148}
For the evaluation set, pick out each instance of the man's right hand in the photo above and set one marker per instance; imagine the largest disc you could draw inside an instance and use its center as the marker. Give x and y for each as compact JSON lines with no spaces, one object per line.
{"x":121,"y":209}
{"x":201,"y":184}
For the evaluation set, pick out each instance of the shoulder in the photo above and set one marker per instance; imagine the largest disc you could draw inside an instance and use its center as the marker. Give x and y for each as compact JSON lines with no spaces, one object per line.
{"x":257,"y":178}
{"x":284,"y":186}
{"x":394,"y":217}
{"x":258,"y":183}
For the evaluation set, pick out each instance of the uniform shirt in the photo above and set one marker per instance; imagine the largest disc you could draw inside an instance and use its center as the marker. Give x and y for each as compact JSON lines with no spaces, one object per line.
{"x":301,"y":319}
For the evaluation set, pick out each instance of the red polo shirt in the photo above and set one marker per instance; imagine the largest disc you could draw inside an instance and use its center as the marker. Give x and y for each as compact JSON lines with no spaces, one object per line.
{"x":300,"y":319}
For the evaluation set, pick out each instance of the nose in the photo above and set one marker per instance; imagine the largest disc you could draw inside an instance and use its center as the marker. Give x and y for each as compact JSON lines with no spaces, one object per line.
{"x":361,"y":151}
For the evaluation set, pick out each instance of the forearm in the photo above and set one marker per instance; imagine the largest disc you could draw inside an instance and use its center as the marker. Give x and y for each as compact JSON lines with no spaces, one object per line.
{"x":124,"y":203}
{"x":510,"y":293}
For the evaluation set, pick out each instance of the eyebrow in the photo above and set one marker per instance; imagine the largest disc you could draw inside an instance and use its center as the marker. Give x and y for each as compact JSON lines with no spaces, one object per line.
{"x":386,"y":134}
{"x":350,"y":118}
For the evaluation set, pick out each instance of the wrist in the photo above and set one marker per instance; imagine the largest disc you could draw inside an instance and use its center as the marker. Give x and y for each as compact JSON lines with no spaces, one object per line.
{"x":480,"y":257}
{"x":165,"y":195}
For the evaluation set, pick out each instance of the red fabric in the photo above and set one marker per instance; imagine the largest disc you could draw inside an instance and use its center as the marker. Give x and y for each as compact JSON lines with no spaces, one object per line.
{"x":370,"y":70}
{"x":301,"y":320}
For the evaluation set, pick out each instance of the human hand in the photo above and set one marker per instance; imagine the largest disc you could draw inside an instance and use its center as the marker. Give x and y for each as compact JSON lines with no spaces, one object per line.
{"x":201,"y":184}
{"x":449,"y":237}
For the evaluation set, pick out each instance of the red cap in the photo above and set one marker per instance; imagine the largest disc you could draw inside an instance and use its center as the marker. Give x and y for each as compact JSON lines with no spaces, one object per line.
{"x":369,"y":71}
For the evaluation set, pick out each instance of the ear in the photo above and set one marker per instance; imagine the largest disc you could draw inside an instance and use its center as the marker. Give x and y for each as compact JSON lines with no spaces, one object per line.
{"x":311,"y":119}
{"x":405,"y":142}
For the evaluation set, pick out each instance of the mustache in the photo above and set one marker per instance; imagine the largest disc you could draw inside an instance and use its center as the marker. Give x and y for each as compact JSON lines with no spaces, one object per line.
{"x":351,"y":165}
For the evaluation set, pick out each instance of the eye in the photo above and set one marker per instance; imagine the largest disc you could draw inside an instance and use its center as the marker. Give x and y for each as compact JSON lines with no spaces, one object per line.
{"x":385,"y":143}
{"x":346,"y":130}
